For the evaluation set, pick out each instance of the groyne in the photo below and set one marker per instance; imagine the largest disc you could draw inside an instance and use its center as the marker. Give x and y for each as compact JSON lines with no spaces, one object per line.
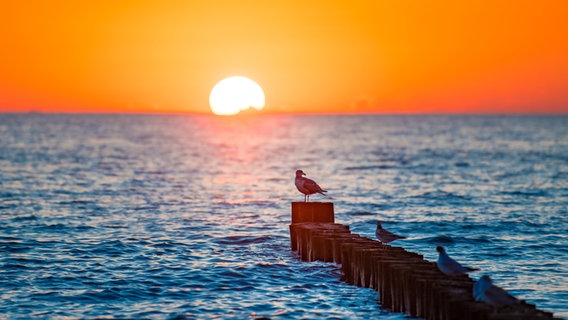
{"x":404,"y":280}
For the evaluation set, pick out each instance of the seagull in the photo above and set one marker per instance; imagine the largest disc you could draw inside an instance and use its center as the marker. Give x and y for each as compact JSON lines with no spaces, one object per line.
{"x":386,"y":236}
{"x":307,"y":186}
{"x":485,"y":291}
{"x":450,"y":266}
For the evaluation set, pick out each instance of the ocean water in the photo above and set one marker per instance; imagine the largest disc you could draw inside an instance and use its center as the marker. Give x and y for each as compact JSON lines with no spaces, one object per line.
{"x":171,"y":216}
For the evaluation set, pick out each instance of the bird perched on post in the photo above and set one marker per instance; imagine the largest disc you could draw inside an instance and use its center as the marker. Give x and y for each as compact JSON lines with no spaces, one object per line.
{"x":484,"y":290}
{"x":307,"y":186}
{"x":450,"y":266}
{"x":386,"y":236}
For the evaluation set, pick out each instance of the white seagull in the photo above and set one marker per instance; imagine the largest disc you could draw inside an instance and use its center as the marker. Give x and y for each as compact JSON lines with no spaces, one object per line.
{"x":450,"y":266}
{"x":485,"y":291}
{"x":386,"y":236}
{"x":307,"y":186}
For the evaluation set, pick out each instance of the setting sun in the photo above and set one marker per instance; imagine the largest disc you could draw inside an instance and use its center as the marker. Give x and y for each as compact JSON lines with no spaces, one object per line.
{"x":234,"y":94}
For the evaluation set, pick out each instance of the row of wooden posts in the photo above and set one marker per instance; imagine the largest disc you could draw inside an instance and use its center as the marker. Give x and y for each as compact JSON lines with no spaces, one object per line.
{"x":405,"y":281}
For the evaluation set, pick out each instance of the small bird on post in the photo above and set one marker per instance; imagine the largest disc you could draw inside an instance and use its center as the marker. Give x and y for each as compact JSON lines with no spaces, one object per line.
{"x":307,"y":186}
{"x":385,"y":236}
{"x":450,"y":266}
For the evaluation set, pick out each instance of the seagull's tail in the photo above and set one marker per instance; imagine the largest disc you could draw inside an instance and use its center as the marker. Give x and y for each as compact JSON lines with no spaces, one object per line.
{"x":322,"y":192}
{"x":472,"y":269}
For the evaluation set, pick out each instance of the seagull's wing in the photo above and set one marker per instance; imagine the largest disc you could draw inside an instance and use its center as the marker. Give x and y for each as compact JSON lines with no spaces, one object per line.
{"x":479,"y":288}
{"x":312,"y":186}
{"x":396,"y":236}
{"x":498,"y":297}
{"x":386,"y":236}
{"x":451,"y":266}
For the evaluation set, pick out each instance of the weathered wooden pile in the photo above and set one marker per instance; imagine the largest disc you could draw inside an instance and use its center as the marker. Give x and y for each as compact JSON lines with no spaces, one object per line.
{"x":404,"y":280}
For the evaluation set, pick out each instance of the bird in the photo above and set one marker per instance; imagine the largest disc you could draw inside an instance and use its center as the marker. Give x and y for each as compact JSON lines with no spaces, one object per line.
{"x":450,"y":266}
{"x":307,"y":186}
{"x":386,"y":236}
{"x":484,"y":290}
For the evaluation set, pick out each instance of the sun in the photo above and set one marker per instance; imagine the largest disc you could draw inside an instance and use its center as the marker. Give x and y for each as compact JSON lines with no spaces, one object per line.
{"x":233,"y":94}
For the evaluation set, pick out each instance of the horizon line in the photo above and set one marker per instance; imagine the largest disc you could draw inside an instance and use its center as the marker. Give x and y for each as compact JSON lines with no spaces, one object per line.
{"x":272,"y":113}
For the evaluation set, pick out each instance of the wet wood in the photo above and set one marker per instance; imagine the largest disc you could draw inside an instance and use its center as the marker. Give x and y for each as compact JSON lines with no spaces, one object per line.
{"x":312,"y":212}
{"x":405,"y":282}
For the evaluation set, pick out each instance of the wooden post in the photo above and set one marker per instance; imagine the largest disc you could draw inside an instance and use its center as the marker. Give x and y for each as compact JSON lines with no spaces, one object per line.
{"x":312,"y":212}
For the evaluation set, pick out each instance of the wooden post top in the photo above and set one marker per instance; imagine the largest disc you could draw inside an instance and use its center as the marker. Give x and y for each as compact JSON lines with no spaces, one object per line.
{"x":312,"y":212}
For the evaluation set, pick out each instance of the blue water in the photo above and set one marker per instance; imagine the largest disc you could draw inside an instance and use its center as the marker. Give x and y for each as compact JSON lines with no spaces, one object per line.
{"x":145,"y":216}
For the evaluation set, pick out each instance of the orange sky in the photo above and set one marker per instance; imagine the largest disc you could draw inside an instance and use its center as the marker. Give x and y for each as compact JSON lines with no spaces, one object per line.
{"x":309,"y":56}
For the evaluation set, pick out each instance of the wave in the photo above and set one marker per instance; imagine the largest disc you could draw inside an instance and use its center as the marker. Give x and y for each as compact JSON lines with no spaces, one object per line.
{"x":527,"y":193}
{"x":25,"y":218}
{"x":242,"y":240}
{"x":440,"y":240}
{"x":376,"y":167}
{"x":360,"y":213}
{"x":461,"y":164}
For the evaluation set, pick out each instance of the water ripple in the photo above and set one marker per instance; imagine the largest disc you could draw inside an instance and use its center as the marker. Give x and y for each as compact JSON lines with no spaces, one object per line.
{"x":186,"y":217}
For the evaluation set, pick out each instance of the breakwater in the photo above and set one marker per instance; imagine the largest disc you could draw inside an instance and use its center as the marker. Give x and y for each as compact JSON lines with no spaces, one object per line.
{"x":405,"y":281}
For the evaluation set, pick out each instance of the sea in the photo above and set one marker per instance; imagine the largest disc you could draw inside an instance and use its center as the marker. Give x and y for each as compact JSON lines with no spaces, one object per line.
{"x":115,"y":216}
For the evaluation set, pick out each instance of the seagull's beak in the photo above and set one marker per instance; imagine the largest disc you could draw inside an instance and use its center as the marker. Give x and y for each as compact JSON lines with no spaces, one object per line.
{"x":303,"y":174}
